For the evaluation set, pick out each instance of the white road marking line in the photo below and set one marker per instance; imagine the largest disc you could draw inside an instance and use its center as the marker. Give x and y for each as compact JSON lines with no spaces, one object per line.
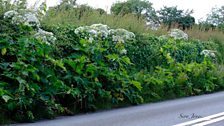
{"x":210,"y":122}
{"x":200,"y":120}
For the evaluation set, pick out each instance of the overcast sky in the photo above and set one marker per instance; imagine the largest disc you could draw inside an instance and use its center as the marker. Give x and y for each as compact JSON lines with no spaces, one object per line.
{"x":200,"y":7}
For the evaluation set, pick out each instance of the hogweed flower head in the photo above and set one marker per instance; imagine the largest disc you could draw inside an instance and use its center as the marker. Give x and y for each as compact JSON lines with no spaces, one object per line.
{"x":31,"y":20}
{"x":208,"y":53}
{"x":100,"y":31}
{"x":22,"y":17}
{"x":10,"y":14}
{"x":47,"y":37}
{"x":178,"y":34}
{"x":123,"y":51}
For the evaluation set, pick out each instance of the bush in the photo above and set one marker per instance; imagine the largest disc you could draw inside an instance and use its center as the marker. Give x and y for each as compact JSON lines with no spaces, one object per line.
{"x":177,"y":79}
{"x":26,"y":79}
{"x":145,"y":51}
{"x":37,"y":84}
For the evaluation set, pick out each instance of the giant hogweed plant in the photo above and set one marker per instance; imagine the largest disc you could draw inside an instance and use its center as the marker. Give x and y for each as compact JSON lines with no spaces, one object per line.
{"x":28,"y":80}
{"x":178,"y":75}
{"x":98,"y":67}
{"x":187,"y":78}
{"x":35,"y":84}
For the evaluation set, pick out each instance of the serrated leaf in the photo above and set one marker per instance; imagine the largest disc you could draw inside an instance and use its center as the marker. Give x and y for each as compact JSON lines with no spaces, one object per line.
{"x":112,"y":57}
{"x":126,"y":60}
{"x":137,"y":85}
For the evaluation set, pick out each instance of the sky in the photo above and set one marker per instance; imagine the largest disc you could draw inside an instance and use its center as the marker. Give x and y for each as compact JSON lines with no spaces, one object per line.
{"x":201,"y":7}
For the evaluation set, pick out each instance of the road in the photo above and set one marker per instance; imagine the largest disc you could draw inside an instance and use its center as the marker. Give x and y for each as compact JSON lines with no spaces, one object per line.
{"x":167,"y":113}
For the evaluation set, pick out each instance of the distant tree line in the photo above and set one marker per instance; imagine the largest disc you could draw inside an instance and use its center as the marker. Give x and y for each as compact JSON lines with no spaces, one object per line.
{"x":143,"y":9}
{"x":169,"y":16}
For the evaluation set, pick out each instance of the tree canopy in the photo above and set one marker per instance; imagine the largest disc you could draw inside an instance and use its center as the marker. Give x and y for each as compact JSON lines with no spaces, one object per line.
{"x":216,"y":17}
{"x":137,"y":7}
{"x":173,"y":16}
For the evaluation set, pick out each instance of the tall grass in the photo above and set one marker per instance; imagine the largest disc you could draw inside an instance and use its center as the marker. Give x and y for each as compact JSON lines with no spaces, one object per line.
{"x":205,"y":35}
{"x":78,"y":17}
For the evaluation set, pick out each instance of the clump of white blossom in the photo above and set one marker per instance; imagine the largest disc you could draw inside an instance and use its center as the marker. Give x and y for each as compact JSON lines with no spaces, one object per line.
{"x":45,"y":36}
{"x":178,"y":34}
{"x":24,"y":17}
{"x":100,"y":31}
{"x":10,"y":14}
{"x":121,"y":35}
{"x":31,"y":20}
{"x":208,"y":53}
{"x":93,"y":31}
{"x":123,"y":51}
{"x":20,"y":17}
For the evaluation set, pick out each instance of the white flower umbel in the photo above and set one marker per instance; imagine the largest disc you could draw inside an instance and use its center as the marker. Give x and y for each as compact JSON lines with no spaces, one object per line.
{"x":31,"y":20}
{"x":10,"y":14}
{"x":208,"y":53}
{"x":27,"y":18}
{"x":121,"y":35}
{"x":18,"y":20}
{"x":91,"y":39}
{"x":22,"y":17}
{"x":178,"y":34}
{"x":80,"y":30}
{"x":100,"y":31}
{"x":123,"y":51}
{"x":118,"y":38}
{"x":47,"y":37}
{"x":100,"y":27}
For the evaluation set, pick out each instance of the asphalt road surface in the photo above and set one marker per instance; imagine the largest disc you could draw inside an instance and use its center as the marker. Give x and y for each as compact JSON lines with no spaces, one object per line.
{"x":205,"y":110}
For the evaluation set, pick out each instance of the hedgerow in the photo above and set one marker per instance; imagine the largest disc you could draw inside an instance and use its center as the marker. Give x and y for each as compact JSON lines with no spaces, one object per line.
{"x":47,"y":71}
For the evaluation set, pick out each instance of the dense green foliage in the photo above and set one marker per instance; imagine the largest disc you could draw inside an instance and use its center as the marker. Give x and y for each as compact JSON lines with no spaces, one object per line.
{"x":93,"y":67}
{"x":39,"y":80}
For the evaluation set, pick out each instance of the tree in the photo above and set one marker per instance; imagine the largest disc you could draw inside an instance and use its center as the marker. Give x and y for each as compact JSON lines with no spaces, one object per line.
{"x":141,"y":8}
{"x":66,"y":4}
{"x":172,"y":16}
{"x":186,"y":22}
{"x":101,"y":11}
{"x":121,"y":8}
{"x":137,"y":7}
{"x":216,"y":17}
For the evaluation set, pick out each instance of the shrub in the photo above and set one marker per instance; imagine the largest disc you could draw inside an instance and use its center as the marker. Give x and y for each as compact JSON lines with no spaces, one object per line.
{"x":28,"y":80}
{"x":35,"y":84}
{"x":144,"y":52}
{"x":178,"y":79}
